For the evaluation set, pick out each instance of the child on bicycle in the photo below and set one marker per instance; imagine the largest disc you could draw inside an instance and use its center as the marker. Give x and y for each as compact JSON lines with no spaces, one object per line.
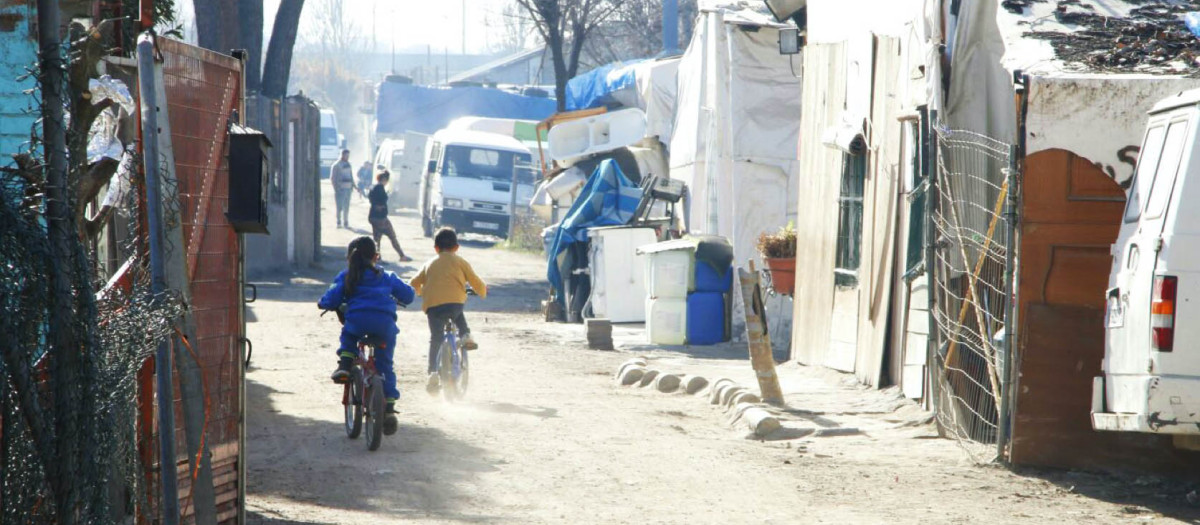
{"x":370,"y":296}
{"x":441,"y":284}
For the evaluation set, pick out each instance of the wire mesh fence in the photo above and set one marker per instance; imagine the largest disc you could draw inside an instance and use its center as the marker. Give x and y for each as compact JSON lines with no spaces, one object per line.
{"x":972,"y":283}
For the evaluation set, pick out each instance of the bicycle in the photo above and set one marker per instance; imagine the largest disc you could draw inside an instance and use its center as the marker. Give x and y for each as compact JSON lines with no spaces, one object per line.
{"x":363,"y":396}
{"x":453,"y":371}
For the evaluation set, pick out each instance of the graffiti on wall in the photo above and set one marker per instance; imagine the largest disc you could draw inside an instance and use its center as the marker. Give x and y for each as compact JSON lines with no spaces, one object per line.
{"x":1128,"y":157}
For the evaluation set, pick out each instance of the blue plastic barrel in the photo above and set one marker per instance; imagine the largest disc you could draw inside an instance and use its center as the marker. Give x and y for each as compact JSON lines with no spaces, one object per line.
{"x":709,"y":280}
{"x":705,"y":318}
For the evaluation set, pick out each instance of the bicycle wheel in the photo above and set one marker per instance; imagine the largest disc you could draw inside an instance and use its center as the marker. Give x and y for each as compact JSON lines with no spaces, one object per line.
{"x":464,"y":376}
{"x":375,"y":413}
{"x":446,"y":371}
{"x":354,"y":411}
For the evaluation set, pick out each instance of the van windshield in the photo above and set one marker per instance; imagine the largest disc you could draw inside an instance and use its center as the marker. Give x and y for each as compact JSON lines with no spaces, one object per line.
{"x":329,"y":137}
{"x":486,"y":164}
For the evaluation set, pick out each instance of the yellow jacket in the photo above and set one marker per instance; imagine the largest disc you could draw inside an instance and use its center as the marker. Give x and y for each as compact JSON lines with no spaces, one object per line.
{"x":443,"y":280}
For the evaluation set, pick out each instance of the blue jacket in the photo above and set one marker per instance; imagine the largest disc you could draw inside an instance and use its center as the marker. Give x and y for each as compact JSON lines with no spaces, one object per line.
{"x":376,"y":293}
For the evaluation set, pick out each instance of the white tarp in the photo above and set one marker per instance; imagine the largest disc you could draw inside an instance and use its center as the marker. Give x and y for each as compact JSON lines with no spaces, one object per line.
{"x":736,"y":132}
{"x":658,"y":86}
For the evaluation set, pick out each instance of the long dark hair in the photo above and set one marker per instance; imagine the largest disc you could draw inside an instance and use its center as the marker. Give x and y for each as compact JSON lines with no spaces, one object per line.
{"x":360,"y":256}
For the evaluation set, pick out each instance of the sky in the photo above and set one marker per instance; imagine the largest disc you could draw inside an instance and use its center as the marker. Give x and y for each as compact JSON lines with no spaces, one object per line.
{"x":410,"y":24}
{"x":413,"y":24}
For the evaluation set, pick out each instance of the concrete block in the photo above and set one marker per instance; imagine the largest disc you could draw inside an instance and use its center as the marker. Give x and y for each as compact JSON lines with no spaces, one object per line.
{"x":667,"y":383}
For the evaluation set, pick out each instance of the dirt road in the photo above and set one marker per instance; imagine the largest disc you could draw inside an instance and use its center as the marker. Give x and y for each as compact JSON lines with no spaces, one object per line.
{"x":545,"y":436}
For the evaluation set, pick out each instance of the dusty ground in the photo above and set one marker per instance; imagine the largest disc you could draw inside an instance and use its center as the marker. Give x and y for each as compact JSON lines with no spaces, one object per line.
{"x":545,"y":436}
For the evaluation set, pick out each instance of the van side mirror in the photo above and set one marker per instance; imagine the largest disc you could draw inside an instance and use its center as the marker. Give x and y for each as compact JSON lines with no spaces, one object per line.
{"x":432,"y":167}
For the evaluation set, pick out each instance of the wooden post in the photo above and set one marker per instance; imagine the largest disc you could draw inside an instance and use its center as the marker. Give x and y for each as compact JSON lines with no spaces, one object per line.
{"x":761,"y":357}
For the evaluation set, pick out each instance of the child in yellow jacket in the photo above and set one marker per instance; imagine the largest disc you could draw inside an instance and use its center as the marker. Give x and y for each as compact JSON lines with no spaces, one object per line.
{"x":441,"y":283}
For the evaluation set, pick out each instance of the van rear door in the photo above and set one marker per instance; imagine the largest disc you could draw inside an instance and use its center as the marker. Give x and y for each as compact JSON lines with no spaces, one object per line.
{"x":1135,"y":255}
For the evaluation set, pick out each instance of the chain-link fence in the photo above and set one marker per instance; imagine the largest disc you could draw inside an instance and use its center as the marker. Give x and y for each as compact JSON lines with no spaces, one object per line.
{"x":972,"y":281}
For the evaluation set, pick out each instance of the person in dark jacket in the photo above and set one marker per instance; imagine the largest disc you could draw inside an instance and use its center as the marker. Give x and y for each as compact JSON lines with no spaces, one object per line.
{"x":381,"y":226}
{"x":369,"y":295}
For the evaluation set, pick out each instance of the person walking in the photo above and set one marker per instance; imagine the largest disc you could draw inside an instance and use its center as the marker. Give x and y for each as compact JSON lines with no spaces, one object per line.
{"x":381,"y":226}
{"x":341,"y":175}
{"x":364,"y":178}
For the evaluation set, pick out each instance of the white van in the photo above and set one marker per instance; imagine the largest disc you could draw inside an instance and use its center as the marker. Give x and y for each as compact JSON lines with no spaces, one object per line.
{"x":332,"y":142}
{"x":1151,"y":379}
{"x":467,"y":183}
{"x":405,"y":160}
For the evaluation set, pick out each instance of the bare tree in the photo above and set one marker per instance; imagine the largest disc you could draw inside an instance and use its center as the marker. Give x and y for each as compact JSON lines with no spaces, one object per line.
{"x":565,"y":26}
{"x":224,"y":25}
{"x":278,"y":67}
{"x":515,"y":29}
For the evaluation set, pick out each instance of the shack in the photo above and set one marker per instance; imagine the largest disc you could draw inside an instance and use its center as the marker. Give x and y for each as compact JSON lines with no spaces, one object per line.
{"x":737,"y":126}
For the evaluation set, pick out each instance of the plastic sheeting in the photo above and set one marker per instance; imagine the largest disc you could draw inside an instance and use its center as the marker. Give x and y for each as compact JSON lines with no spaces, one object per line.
{"x":608,"y":199}
{"x":597,"y":87}
{"x":407,"y":108}
{"x":735,"y":138}
{"x":736,"y":131}
{"x":102,"y":138}
{"x":649,"y":85}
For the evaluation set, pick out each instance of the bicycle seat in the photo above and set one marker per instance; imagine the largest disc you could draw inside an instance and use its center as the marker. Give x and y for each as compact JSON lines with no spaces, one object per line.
{"x":373,"y":340}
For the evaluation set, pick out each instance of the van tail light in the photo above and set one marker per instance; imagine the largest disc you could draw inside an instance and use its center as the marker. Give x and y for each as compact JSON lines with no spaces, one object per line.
{"x":1162,"y":313}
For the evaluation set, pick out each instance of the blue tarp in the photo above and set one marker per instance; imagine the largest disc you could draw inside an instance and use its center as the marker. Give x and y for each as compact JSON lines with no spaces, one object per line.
{"x":607,"y":199}
{"x":592,"y":89}
{"x":405,"y":107}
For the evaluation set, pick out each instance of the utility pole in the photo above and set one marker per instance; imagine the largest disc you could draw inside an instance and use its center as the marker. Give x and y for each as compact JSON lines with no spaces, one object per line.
{"x":670,"y":25}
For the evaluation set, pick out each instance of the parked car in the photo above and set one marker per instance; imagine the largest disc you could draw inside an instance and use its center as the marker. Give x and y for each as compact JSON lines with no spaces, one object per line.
{"x":1151,"y":379}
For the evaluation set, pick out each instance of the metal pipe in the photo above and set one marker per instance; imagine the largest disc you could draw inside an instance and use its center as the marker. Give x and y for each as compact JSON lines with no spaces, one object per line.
{"x":168,"y":476}
{"x":670,"y":27}
{"x":1010,"y":314}
{"x":931,"y":196}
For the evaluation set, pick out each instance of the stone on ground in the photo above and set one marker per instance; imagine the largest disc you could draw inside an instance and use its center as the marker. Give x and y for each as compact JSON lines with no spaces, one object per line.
{"x":632,"y":375}
{"x":649,"y":376}
{"x":760,"y":421}
{"x":667,"y":383}
{"x":694,"y":384}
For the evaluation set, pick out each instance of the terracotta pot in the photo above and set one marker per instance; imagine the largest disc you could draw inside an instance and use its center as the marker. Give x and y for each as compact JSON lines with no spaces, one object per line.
{"x":783,"y":274}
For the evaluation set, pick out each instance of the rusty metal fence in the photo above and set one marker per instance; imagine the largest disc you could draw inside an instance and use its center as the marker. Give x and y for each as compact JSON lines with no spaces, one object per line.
{"x":204,"y":90}
{"x":972,"y":273}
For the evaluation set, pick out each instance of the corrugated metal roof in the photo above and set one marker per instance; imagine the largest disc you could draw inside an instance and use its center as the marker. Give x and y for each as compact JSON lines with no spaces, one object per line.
{"x":506,"y":61}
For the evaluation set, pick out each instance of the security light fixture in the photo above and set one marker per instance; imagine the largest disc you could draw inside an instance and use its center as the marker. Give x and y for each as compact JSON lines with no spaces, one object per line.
{"x":789,"y":41}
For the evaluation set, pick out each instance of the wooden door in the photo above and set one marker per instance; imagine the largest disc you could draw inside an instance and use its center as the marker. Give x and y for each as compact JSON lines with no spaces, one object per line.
{"x":1071,"y":212}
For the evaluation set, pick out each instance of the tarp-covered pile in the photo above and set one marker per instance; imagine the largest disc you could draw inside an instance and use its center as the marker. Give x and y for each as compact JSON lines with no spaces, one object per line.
{"x":649,"y":85}
{"x":608,"y":199}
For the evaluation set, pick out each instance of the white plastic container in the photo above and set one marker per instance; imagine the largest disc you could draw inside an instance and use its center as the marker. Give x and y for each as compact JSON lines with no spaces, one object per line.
{"x":618,"y":281}
{"x":666,"y":320}
{"x":669,"y":273}
{"x":596,"y":134}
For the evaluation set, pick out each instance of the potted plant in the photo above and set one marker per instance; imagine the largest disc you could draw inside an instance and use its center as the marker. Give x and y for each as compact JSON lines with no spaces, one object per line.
{"x":778,"y":251}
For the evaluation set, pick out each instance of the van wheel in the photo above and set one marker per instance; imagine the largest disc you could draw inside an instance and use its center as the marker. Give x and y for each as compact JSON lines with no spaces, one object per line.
{"x":427,"y":226}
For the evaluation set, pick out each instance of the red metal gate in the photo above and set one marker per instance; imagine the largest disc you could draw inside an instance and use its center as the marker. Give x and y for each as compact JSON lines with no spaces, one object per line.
{"x":203,"y":89}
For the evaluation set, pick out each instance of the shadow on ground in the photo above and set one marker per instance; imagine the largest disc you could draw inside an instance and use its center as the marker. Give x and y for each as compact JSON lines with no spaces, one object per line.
{"x":1139,"y":496}
{"x":417,"y":472}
